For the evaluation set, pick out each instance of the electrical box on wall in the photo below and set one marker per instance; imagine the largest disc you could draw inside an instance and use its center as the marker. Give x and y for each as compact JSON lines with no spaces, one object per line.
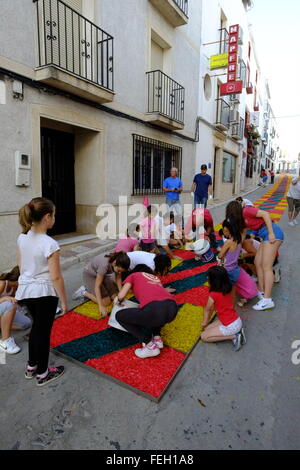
{"x":23,"y":169}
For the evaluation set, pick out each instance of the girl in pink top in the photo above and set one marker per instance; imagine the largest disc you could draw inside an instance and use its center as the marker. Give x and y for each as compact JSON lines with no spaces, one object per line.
{"x":148,"y":229}
{"x":126,"y":244}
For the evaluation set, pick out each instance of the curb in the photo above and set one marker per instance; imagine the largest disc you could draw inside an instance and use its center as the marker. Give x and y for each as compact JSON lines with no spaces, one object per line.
{"x":67,"y":262}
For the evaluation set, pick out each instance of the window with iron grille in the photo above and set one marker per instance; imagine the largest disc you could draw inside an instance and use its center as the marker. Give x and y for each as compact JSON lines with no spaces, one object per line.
{"x":152,"y":162}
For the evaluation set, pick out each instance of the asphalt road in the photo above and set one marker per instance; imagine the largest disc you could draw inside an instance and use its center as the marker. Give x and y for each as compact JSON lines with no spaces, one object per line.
{"x":219,"y":400}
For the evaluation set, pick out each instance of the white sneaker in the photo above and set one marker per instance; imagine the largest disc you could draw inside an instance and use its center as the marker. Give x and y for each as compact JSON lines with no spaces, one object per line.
{"x":158,"y":341}
{"x":295,"y":222}
{"x":9,"y":346}
{"x":264,"y":304}
{"x":291,"y":223}
{"x":277,"y":273}
{"x":260,"y":295}
{"x":149,"y":350}
{"x":79,"y":293}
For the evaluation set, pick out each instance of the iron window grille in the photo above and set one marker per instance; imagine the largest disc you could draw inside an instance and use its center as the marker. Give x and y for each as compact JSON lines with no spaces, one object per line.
{"x":242,"y":73}
{"x":223,"y":112}
{"x":152,"y":162}
{"x":165,"y":96}
{"x":68,"y":40}
{"x":238,"y":129}
{"x":183,"y":5}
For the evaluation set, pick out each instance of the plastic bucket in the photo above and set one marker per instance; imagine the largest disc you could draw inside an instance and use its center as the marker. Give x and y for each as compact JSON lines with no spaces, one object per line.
{"x":202,"y":249}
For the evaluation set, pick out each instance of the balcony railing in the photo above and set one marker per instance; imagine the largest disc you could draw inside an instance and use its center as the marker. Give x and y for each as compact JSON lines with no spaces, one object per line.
{"x":174,"y":11}
{"x":223,"y":112}
{"x":249,"y":88}
{"x":71,"y":42}
{"x":237,"y":130}
{"x":224,"y":35}
{"x":165,"y":96}
{"x":183,"y":5}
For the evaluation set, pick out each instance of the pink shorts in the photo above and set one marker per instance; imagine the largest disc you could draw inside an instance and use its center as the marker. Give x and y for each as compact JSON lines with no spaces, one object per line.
{"x":245,"y":286}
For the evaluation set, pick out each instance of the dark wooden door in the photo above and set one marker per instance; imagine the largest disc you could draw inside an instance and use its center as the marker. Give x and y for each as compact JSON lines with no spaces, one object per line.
{"x":58,"y":183}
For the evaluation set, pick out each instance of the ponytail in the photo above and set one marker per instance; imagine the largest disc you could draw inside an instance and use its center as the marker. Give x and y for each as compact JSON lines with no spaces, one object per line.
{"x":25,"y":218}
{"x":34,"y":211}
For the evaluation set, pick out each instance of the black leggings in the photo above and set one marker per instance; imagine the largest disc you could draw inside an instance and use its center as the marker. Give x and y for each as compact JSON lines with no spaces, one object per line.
{"x":155,"y":315}
{"x":42,"y":310}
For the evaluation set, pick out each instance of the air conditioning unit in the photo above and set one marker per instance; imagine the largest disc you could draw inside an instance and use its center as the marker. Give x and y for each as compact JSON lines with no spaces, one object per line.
{"x":235,"y":99}
{"x":234,"y":116}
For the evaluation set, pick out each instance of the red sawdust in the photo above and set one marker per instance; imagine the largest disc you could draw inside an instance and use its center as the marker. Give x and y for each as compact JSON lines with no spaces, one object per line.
{"x":149,"y":375}
{"x":196,"y":296}
{"x":73,"y":326}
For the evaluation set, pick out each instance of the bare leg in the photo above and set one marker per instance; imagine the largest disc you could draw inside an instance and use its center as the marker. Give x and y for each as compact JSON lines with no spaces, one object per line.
{"x":6,"y":322}
{"x":258,"y":261}
{"x":105,"y":300}
{"x":269,"y":255}
{"x":213,"y":334}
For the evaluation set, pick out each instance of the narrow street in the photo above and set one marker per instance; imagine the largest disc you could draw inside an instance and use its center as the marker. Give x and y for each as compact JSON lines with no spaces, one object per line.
{"x":219,"y":400}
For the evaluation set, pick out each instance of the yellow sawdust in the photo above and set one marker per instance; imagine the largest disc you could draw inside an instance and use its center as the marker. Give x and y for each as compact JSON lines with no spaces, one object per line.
{"x":183,"y":332}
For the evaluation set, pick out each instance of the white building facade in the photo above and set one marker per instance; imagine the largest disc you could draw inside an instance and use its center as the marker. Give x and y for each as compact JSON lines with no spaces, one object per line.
{"x":224,"y":121}
{"x":98,"y":100}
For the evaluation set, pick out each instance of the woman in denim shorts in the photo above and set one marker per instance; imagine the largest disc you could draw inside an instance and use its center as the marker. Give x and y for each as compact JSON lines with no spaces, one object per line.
{"x":272,"y":238}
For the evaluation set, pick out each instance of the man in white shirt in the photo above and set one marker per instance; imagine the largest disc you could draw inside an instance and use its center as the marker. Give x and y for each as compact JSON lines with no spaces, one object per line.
{"x":293,"y":199}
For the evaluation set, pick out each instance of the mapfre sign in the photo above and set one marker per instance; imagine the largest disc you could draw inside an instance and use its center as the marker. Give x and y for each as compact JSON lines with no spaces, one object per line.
{"x":232,"y":86}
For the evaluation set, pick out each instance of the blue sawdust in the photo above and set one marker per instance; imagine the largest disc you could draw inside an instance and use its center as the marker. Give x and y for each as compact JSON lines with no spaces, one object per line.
{"x":188,"y":283}
{"x":191,"y":263}
{"x":98,"y":344}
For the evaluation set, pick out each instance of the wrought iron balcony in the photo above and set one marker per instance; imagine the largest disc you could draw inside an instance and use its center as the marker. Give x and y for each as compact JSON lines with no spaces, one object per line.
{"x":223,"y":112}
{"x":165,"y":100}
{"x":249,"y":88}
{"x":183,"y":5}
{"x":237,"y":130}
{"x":175,"y":11}
{"x":73,"y":45}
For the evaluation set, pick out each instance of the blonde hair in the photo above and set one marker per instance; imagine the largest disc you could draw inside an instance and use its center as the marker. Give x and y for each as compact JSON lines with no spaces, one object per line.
{"x":34,"y":211}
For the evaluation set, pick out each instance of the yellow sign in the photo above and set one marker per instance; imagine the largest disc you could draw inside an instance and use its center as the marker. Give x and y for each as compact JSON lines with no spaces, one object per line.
{"x":218,"y":61}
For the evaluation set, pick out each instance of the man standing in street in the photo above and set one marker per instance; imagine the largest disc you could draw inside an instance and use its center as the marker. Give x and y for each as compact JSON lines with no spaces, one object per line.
{"x":201,"y":187}
{"x":172,"y":187}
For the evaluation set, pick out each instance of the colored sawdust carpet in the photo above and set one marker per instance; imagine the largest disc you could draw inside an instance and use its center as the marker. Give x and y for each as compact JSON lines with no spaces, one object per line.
{"x":84,"y":336}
